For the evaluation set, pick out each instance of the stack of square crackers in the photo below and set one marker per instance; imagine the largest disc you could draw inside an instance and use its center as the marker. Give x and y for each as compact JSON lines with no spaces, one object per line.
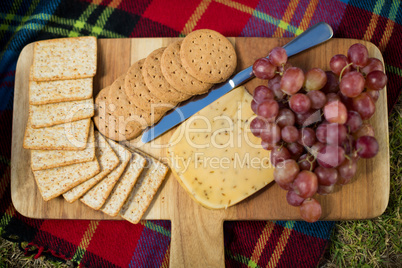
{"x":70,"y":158}
{"x":59,"y":130}
{"x":157,"y":83}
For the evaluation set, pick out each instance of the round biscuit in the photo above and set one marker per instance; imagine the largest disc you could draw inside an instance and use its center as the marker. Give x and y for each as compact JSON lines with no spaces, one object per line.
{"x":113,"y":127}
{"x":208,"y":56}
{"x":156,"y":81}
{"x":137,"y":91}
{"x":126,"y":108}
{"x":174,"y":72}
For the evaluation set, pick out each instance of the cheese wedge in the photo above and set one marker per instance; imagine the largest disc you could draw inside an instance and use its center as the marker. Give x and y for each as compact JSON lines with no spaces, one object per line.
{"x":214,"y":155}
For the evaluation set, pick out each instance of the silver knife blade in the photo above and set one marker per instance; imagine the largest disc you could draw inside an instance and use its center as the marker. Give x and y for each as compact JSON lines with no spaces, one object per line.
{"x":313,"y":36}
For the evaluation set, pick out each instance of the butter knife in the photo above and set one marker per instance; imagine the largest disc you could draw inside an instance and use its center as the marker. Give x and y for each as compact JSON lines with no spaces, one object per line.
{"x":313,"y":36}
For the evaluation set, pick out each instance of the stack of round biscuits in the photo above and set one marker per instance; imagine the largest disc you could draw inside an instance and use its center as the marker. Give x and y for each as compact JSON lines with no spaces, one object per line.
{"x":156,"y":84}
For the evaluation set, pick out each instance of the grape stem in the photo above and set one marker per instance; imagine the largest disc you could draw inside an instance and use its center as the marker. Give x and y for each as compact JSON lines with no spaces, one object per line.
{"x":280,"y":147}
{"x":308,"y":160}
{"x":301,"y":161}
{"x":344,"y":68}
{"x":283,"y":68}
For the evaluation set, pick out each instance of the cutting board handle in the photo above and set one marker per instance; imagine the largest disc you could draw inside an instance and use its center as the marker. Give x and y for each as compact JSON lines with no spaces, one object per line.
{"x":197,"y":242}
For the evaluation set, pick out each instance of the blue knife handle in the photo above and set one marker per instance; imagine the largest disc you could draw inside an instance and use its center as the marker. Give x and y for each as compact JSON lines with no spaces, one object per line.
{"x":313,"y":36}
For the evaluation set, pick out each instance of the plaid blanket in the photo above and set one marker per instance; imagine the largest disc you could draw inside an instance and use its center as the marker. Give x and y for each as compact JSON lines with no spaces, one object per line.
{"x":119,"y":243}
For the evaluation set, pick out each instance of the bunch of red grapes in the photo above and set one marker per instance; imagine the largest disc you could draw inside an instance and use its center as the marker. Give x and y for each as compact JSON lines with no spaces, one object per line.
{"x":314,"y":123}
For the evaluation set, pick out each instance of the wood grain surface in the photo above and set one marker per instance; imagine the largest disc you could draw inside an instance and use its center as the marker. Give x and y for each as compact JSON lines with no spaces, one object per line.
{"x":197,"y":232}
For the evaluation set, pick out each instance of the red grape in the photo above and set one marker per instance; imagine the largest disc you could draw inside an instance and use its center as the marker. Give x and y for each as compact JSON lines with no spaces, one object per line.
{"x":374,"y":94}
{"x":293,"y":199}
{"x":285,"y":117}
{"x":336,"y":133}
{"x":354,"y":122}
{"x":338,"y":63}
{"x":275,"y":85}
{"x":364,"y":105}
{"x":256,"y":125}
{"x":332,"y":85}
{"x":358,"y":54}
{"x":317,"y":98}
{"x":263,"y":69}
{"x":352,"y":84}
{"x":367,"y":146}
{"x":307,"y":162}
{"x":267,"y":146}
{"x":372,"y":65}
{"x":347,"y":169}
{"x":365,"y":130}
{"x":348,"y":102}
{"x":310,"y":210}
{"x":278,"y":155}
{"x":295,"y":150}
{"x":324,"y":190}
{"x":254,"y":106}
{"x":300,"y":103}
{"x":307,"y":137}
{"x":278,"y":56}
{"x":321,"y":132}
{"x":315,"y":79}
{"x":330,"y":156}
{"x":315,"y":148}
{"x":332,"y":97}
{"x":292,"y":80}
{"x":290,"y":134}
{"x":335,"y":112}
{"x":309,"y":118}
{"x":268,"y":109}
{"x":271,"y":133}
{"x":326,"y":176}
{"x":343,"y":181}
{"x":286,"y":173}
{"x":262,"y":93}
{"x":376,"y":80}
{"x":305,"y":184}
{"x":283,"y":68}
{"x":349,"y":145}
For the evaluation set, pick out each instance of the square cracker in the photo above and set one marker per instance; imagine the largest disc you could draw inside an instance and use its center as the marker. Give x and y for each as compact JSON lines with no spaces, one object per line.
{"x":124,"y":186}
{"x":144,"y":191}
{"x":60,"y":113}
{"x":45,"y":159}
{"x":108,"y":161}
{"x":70,"y":136}
{"x":64,"y":58}
{"x":56,"y":181}
{"x":60,"y":91}
{"x":97,"y":196}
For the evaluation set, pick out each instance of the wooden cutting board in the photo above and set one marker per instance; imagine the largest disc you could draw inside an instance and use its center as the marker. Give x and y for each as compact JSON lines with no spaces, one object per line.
{"x":197,"y":233}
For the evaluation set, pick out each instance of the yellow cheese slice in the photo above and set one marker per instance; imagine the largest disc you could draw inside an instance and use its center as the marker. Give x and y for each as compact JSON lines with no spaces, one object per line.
{"x":214,"y":155}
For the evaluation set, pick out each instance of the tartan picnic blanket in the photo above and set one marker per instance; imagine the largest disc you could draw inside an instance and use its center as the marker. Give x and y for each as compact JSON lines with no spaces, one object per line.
{"x":119,"y":243}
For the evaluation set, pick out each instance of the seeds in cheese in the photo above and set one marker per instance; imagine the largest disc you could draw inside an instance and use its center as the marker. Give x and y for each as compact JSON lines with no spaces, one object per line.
{"x":214,"y":155}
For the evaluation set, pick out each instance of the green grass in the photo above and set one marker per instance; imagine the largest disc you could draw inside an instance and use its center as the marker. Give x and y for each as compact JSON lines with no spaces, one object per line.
{"x":376,"y":242}
{"x":11,"y":256}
